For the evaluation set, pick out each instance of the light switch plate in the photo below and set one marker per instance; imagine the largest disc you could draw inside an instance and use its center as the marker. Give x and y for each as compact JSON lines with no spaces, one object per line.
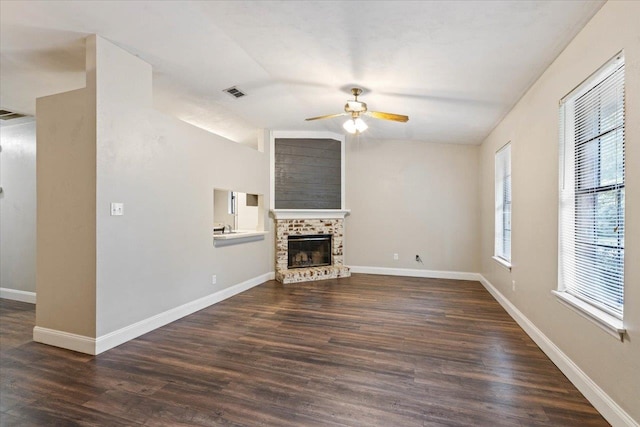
{"x":117,"y":209}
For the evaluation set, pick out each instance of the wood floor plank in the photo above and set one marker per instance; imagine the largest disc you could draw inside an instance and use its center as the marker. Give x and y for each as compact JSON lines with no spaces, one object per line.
{"x":360,"y":351}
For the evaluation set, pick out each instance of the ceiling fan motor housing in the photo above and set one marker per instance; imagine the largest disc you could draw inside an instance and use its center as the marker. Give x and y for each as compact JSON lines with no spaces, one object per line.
{"x":355,"y":107}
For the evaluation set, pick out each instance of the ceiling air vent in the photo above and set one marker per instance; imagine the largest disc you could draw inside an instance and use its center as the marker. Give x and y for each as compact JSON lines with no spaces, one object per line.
{"x":8,"y":115}
{"x":235,"y":92}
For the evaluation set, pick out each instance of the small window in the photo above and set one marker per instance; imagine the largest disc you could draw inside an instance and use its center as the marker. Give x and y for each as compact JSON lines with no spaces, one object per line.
{"x":592,"y":193}
{"x":503,"y":205}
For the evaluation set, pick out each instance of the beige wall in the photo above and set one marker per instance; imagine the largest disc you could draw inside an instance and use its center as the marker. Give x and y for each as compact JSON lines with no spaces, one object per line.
{"x":66,"y":214}
{"x":532,"y":128}
{"x":18,"y":206}
{"x":98,"y":273}
{"x":160,"y":254}
{"x":412,"y":198}
{"x":247,"y":215}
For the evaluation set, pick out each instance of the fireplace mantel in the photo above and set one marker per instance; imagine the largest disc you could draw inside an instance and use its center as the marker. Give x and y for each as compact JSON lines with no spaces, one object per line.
{"x":310,"y":213}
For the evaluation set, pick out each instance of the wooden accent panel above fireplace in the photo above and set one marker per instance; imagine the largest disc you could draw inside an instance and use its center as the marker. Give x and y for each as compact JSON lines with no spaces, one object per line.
{"x":308,"y":173}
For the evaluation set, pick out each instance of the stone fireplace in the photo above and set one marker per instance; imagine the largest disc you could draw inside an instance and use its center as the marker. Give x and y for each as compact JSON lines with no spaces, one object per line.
{"x":309,"y":248}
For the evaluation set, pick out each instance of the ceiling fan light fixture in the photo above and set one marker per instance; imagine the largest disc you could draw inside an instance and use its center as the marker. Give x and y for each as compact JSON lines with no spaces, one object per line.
{"x":354,"y":109}
{"x":361,"y":126}
{"x":356,"y":125}
{"x":350,"y":126}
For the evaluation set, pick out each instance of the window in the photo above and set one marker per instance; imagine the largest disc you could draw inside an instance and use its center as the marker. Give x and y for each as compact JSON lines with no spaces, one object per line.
{"x":592,"y":170}
{"x":502,"y":245}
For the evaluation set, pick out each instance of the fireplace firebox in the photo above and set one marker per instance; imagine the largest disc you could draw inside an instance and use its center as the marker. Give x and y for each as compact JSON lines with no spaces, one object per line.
{"x":309,"y":250}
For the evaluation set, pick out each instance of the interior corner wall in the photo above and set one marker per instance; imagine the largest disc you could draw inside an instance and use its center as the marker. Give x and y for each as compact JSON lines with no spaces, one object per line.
{"x":160,"y":253}
{"x":532,"y":128}
{"x":18,"y":207}
{"x":247,"y":218}
{"x":66,"y":214}
{"x":412,"y":198}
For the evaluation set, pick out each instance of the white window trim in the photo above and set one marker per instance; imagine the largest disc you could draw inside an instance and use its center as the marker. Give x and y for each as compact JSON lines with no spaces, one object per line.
{"x":503,"y":262}
{"x":608,"y":323}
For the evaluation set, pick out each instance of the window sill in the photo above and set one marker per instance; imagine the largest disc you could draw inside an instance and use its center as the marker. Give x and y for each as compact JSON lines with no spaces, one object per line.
{"x":605,"y":321}
{"x":502,"y":262}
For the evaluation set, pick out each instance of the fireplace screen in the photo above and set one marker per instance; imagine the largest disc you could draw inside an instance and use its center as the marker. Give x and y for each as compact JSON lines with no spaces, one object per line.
{"x":309,"y":251}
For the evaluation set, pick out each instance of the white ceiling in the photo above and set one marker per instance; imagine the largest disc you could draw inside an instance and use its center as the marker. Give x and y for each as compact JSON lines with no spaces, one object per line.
{"x":454,"y":67}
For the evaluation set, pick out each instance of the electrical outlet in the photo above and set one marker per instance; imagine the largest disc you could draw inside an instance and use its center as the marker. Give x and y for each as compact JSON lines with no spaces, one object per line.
{"x":395,"y":257}
{"x":117,"y":209}
{"x":214,"y":279}
{"x":513,"y":285}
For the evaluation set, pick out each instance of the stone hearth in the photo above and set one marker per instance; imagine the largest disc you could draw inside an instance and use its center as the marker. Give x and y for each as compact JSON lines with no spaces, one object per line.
{"x":313,"y":226}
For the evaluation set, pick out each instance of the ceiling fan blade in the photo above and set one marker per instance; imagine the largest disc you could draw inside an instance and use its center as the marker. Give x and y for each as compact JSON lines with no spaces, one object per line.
{"x":328,"y":116}
{"x":388,"y":116}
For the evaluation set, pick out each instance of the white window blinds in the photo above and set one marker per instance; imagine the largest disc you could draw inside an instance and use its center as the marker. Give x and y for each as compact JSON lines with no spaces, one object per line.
{"x":503,"y":203}
{"x":592,"y":169}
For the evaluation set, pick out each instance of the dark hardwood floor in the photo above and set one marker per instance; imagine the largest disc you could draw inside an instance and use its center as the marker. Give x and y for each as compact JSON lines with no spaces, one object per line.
{"x":362,"y":351}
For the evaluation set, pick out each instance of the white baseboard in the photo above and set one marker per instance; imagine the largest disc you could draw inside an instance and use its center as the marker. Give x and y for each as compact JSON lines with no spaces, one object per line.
{"x":120,"y":336}
{"x":609,"y":409}
{"x":17,"y":295}
{"x":411,"y":272}
{"x":105,"y":342}
{"x":75,"y":342}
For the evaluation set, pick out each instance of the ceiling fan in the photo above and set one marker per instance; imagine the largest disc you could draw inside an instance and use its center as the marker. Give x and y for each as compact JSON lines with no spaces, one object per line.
{"x":355,"y":109}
